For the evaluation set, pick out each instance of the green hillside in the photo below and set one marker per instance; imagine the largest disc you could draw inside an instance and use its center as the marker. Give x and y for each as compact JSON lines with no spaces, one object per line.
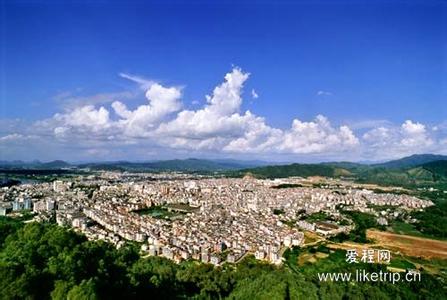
{"x":410,"y":161}
{"x":302,"y":170}
{"x":429,"y":174}
{"x":437,"y":168}
{"x":432,"y":173}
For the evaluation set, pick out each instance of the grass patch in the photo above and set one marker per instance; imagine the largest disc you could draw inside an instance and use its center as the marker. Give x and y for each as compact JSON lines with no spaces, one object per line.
{"x":405,"y":228}
{"x":398,"y":262}
{"x":157,"y":212}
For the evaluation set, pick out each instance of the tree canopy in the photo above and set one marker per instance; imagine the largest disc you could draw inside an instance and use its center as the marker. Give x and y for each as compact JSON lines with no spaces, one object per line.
{"x":45,"y":261}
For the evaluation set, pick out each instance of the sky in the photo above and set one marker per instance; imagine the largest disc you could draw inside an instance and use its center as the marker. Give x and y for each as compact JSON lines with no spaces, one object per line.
{"x":300,"y":81}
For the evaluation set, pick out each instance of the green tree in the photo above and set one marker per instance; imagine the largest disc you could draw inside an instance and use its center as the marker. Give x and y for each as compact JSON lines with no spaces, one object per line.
{"x":84,"y":291}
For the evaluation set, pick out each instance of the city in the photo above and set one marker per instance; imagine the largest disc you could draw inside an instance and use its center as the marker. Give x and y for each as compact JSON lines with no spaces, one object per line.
{"x":265,"y":150}
{"x":212,"y":220}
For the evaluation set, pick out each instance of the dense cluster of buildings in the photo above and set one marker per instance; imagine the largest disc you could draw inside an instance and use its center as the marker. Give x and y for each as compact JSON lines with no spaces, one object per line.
{"x":209,"y":219}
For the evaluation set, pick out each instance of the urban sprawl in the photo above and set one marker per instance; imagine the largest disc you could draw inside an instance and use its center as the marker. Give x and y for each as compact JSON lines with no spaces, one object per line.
{"x":214,"y":220}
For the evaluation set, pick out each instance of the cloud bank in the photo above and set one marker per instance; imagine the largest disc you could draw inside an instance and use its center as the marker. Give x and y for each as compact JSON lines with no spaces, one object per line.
{"x":163,"y":126}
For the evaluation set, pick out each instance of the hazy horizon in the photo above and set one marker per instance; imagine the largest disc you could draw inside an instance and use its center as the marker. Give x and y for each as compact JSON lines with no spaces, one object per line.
{"x":219,"y":159}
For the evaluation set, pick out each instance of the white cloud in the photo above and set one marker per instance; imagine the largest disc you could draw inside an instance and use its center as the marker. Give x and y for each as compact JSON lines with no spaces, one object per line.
{"x":378,"y":136}
{"x":12,"y":137}
{"x":162,"y":126}
{"x":144,"y":83}
{"x":368,"y":124}
{"x":254,"y":95}
{"x":415,"y":135}
{"x":220,"y":125}
{"x":413,"y":128}
{"x":396,"y":141}
{"x":162,"y":102}
{"x":86,"y":118}
{"x":70,"y":101}
{"x":219,"y":117}
{"x":317,"y":136}
{"x":324,"y":93}
{"x":61,"y":132}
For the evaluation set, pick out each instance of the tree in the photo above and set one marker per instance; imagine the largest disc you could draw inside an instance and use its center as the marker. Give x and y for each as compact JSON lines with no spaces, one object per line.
{"x":84,"y":291}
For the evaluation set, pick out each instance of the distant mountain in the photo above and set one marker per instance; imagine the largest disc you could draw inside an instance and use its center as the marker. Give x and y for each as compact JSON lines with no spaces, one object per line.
{"x":415,"y":170}
{"x":343,"y":164}
{"x":181,"y":165}
{"x":249,"y":163}
{"x":410,"y":161}
{"x":55,"y":164}
{"x":11,"y":163}
{"x":34,"y":165}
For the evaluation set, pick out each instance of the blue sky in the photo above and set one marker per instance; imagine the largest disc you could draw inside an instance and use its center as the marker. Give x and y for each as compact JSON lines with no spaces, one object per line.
{"x":366,"y":65}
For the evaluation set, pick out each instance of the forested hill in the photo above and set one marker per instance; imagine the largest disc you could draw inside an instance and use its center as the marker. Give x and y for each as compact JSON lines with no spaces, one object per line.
{"x":437,"y":168}
{"x":34,"y":165}
{"x":302,"y":170}
{"x":427,"y":174}
{"x":426,"y":169}
{"x":410,"y":161}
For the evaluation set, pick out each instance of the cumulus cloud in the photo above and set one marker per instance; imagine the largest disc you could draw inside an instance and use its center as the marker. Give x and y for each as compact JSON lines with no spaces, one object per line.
{"x":220,"y":125}
{"x":85,"y":119}
{"x":162,"y":102}
{"x":162,"y":125}
{"x":415,"y":135}
{"x":86,"y":116}
{"x":302,"y":138}
{"x":395,"y":141}
{"x":378,"y":136}
{"x":219,"y":117}
{"x":317,"y":136}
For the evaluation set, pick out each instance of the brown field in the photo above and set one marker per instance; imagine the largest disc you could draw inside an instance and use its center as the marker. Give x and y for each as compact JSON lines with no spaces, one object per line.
{"x":311,"y":238}
{"x":409,"y":245}
{"x":353,"y":246}
{"x":399,"y":244}
{"x":309,"y":257}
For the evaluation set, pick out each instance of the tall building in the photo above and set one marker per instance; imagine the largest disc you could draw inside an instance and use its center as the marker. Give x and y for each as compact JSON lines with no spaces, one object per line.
{"x":16,"y":205}
{"x":59,"y":186}
{"x":27,"y":203}
{"x":50,"y":205}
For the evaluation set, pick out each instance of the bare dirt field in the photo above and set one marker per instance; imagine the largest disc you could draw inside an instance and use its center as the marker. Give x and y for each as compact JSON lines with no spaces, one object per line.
{"x":399,"y":244}
{"x":409,"y":245}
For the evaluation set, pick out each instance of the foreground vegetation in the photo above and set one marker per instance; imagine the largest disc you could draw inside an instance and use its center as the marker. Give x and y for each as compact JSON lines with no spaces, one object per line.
{"x":44,"y":261}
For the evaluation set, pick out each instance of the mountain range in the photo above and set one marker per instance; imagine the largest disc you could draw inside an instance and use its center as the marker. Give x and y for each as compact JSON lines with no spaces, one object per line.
{"x":180,"y":165}
{"x":415,"y":169}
